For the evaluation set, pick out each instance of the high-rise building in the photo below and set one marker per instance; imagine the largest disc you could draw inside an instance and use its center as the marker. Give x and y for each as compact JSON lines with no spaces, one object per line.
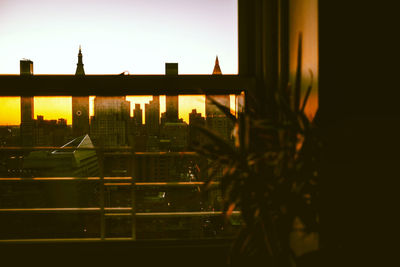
{"x":152,"y":115}
{"x":51,"y":132}
{"x":138,"y":115}
{"x":171,"y":101}
{"x":109,"y":125}
{"x":80,"y":105}
{"x":216,"y":120}
{"x":176,"y":135}
{"x":27,"y":107}
{"x":195,"y":135}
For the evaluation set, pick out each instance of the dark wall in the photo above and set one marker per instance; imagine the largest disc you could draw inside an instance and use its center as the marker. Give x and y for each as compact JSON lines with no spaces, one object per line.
{"x":117,"y":253}
{"x":359,"y":119}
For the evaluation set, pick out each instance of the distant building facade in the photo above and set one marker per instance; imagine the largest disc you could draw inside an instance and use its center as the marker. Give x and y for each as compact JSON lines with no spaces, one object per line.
{"x":51,"y":132}
{"x":109,"y":125}
{"x":152,"y":116}
{"x":138,"y":115}
{"x":195,"y":135}
{"x":176,"y":134}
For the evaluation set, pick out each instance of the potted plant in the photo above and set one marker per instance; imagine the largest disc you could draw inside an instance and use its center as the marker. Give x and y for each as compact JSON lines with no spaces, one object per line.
{"x":270,"y":174}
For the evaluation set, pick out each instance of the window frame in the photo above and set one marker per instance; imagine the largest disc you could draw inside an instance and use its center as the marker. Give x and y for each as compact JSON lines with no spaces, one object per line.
{"x":255,"y":44}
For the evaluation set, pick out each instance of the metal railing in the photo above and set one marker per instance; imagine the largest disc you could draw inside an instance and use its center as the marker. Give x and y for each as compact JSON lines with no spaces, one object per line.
{"x":103,"y":183}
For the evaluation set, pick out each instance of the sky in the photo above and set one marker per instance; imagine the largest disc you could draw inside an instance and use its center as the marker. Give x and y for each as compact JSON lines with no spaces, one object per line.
{"x":138,"y":36}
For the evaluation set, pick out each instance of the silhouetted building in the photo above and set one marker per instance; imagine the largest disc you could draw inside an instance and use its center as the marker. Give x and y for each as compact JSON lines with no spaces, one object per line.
{"x":137,"y":135}
{"x":80,"y":105}
{"x":195,"y":135}
{"x":163,"y":168}
{"x":171,"y":101}
{"x":163,"y":118}
{"x":216,"y":120}
{"x":152,"y":115}
{"x":27,"y":107}
{"x":51,"y":132}
{"x":109,"y":125}
{"x":177,"y":134}
{"x":138,"y":115}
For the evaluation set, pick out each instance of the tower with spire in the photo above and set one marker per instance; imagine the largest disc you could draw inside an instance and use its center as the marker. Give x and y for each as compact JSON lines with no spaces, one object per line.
{"x":217,"y":68}
{"x":216,"y":120}
{"x":79,"y":66}
{"x":80,"y":105}
{"x":211,"y":109}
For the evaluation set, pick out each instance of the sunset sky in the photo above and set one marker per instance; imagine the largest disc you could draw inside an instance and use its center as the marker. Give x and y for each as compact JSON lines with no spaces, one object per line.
{"x":136,"y":36}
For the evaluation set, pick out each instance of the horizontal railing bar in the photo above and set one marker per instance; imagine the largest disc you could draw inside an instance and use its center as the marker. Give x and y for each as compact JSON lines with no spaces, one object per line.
{"x":127,"y":209}
{"x":182,"y":214}
{"x":174,"y":184}
{"x":109,"y":178}
{"x":49,"y":210}
{"x":182,"y":153}
{"x":63,"y":240}
{"x":49,"y":240}
{"x":113,"y":85}
{"x":53,"y":179}
{"x":107,"y":239}
{"x":117,"y":184}
{"x":91,"y":209}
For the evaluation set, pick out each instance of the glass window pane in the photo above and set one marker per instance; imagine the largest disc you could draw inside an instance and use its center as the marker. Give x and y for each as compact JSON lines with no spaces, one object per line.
{"x":55,"y":149}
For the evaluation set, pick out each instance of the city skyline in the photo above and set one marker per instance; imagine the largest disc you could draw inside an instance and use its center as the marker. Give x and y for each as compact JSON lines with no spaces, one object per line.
{"x":54,"y":108}
{"x":112,"y":123}
{"x":44,"y":107}
{"x":116,"y":36}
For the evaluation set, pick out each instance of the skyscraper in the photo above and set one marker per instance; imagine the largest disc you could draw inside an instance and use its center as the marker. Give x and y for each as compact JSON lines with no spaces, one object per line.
{"x":195,"y":135}
{"x":27,"y":107}
{"x":152,"y":115}
{"x":138,"y":115}
{"x":211,"y":109}
{"x":216,"y":120}
{"x":171,"y":101}
{"x":109,"y":125}
{"x":80,"y":105}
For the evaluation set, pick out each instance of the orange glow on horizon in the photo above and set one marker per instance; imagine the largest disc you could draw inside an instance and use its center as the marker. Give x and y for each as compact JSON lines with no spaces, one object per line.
{"x":54,"y":108}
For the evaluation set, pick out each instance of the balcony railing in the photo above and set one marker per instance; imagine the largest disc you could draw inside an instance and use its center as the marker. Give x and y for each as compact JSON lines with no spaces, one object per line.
{"x":134,"y":182}
{"x":105,"y":211}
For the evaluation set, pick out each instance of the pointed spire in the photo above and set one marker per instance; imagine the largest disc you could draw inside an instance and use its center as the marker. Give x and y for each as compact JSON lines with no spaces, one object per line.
{"x":79,"y":67}
{"x":217,"y":69}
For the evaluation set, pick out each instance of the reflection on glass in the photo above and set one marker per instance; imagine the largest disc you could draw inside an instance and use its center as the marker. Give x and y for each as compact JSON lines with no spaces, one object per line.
{"x":126,"y":139}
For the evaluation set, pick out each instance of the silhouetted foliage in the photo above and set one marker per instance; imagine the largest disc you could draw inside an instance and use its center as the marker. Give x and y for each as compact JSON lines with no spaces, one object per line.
{"x":270,"y":174}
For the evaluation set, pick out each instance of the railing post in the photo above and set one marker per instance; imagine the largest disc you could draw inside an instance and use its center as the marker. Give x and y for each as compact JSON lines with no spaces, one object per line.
{"x":133,"y":172}
{"x":102,"y":215}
